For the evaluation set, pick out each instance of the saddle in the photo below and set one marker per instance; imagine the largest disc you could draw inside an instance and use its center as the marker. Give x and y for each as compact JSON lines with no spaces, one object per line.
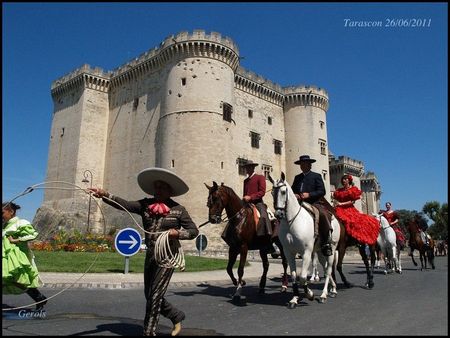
{"x":314,"y":212}
{"x":256,"y":215}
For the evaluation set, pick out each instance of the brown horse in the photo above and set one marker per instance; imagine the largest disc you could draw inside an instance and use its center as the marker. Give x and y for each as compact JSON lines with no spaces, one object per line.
{"x":345,"y":241}
{"x":240,"y":233}
{"x":416,"y":243}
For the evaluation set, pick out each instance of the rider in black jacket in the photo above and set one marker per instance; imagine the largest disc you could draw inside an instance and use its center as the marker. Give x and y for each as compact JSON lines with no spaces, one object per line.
{"x":309,"y":187}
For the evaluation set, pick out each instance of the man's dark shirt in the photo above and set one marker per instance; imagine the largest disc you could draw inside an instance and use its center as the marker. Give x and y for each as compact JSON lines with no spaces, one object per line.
{"x":311,"y":183}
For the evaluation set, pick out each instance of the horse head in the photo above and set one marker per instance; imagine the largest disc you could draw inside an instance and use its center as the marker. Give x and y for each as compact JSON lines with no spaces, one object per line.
{"x":214,"y":203}
{"x":280,"y":196}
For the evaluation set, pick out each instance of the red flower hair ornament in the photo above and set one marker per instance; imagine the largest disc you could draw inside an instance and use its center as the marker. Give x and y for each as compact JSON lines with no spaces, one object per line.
{"x":350,"y":178}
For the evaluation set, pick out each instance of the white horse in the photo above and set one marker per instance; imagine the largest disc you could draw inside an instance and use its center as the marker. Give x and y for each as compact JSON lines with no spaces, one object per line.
{"x":297,"y":237}
{"x":387,"y":240}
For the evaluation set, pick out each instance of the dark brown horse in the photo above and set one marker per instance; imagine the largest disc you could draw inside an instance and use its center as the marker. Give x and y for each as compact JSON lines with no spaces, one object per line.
{"x":416,"y":243}
{"x":240,"y":233}
{"x":345,"y":241}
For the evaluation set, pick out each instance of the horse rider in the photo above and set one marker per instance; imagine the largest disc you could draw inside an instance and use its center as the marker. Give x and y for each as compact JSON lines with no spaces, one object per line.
{"x":254,"y":191}
{"x":308,"y":186}
{"x":423,"y":226}
{"x":394,"y":221}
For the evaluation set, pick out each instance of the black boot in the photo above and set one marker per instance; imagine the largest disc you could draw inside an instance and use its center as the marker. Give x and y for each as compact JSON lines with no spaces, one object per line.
{"x":326,"y":247}
{"x":37,"y":297}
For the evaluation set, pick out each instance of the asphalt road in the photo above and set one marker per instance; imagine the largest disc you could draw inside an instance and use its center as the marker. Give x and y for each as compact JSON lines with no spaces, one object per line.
{"x":413,"y":303}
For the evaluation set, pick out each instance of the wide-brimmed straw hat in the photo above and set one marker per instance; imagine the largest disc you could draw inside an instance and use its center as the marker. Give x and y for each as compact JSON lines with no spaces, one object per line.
{"x":147,"y":178}
{"x":250,"y":163}
{"x":305,"y":158}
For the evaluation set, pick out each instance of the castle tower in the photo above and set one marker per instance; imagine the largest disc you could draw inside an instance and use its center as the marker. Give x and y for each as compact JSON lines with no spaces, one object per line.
{"x":193,"y":134}
{"x":371,"y":193}
{"x":78,"y":138}
{"x":305,"y":110}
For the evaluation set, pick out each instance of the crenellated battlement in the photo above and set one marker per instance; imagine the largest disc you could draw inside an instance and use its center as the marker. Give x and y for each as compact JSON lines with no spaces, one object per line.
{"x":93,"y":78}
{"x":257,"y":85}
{"x":306,"y":96}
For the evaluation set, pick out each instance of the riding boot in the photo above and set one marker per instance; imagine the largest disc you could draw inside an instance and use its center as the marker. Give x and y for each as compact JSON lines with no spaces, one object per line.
{"x":326,"y":246}
{"x":37,"y":297}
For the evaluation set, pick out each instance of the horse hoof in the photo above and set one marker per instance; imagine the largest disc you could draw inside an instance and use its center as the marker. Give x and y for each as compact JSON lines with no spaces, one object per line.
{"x":332,"y":295}
{"x":292,"y":305}
{"x":385,"y":272}
{"x":371,"y":285}
{"x":310,"y":297}
{"x":322,"y":300}
{"x":433,"y":267}
{"x":317,"y":279}
{"x":243,"y":282}
{"x":283,"y":289}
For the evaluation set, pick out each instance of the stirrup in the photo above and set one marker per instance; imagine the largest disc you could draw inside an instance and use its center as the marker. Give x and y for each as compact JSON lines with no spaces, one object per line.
{"x":176,"y":329}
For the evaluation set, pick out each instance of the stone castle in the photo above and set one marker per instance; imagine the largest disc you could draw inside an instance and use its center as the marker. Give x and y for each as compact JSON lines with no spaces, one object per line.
{"x":187,"y":106}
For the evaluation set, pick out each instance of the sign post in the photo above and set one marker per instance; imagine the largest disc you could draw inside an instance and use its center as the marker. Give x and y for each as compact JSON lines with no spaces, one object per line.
{"x":201,"y":242}
{"x":128,"y":242}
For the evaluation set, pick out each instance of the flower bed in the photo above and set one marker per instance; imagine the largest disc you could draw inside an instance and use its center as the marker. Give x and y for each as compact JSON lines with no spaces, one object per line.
{"x":76,"y":242}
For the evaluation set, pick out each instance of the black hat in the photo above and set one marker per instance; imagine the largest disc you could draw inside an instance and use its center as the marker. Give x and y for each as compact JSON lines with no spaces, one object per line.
{"x":250,"y":163}
{"x":305,"y":158}
{"x":147,"y":177}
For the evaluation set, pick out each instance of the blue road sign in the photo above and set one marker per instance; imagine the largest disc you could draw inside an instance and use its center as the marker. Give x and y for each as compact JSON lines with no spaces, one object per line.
{"x":128,"y":242}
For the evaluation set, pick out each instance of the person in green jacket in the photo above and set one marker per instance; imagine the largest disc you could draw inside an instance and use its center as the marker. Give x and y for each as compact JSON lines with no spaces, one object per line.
{"x":19,"y":273}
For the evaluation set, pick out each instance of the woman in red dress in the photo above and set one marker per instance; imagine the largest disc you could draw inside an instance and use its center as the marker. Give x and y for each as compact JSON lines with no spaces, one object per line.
{"x":393,"y":220}
{"x":362,"y":227}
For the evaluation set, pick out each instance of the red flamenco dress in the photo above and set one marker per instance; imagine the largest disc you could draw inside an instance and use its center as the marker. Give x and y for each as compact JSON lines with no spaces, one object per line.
{"x":392,"y":216}
{"x":362,"y":227}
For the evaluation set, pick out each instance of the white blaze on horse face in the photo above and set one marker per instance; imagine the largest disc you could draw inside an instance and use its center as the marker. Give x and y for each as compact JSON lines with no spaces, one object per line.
{"x":279,"y":193}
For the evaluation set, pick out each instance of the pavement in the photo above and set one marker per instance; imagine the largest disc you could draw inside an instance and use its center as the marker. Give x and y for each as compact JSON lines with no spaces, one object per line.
{"x":136,"y":280}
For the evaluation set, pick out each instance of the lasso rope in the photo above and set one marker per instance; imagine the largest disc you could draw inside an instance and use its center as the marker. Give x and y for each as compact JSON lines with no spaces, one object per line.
{"x":163,"y":254}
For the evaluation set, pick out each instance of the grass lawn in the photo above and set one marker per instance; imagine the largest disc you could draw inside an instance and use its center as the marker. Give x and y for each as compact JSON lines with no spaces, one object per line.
{"x":63,"y":261}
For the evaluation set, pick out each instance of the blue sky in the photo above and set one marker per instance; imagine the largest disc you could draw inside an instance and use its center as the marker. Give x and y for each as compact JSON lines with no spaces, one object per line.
{"x":387,"y":85}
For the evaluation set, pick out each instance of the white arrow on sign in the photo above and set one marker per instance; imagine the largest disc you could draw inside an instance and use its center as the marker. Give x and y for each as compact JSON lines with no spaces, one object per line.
{"x":133,"y":242}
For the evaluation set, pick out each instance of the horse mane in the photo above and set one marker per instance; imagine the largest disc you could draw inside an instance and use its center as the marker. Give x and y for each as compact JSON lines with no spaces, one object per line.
{"x":228,"y":191}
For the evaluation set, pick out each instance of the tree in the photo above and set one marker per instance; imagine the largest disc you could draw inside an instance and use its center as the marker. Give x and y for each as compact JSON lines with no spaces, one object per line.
{"x":439,"y":215}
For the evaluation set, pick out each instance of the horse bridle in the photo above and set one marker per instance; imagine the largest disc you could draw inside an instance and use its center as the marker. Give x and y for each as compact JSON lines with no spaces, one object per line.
{"x":219,"y":217}
{"x":275,"y":196}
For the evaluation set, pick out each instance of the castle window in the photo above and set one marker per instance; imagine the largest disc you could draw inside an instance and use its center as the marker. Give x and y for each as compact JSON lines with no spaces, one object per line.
{"x":173,"y":163}
{"x":221,"y":165}
{"x":323,"y":146}
{"x":255,"y":137}
{"x":183,"y":81}
{"x":269,"y":120}
{"x":267,"y":169}
{"x":322,"y":124}
{"x":227,"y":111}
{"x":277,"y":144}
{"x":241,"y":169}
{"x":324,"y":175}
{"x":250,"y":114}
{"x":135,"y":103}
